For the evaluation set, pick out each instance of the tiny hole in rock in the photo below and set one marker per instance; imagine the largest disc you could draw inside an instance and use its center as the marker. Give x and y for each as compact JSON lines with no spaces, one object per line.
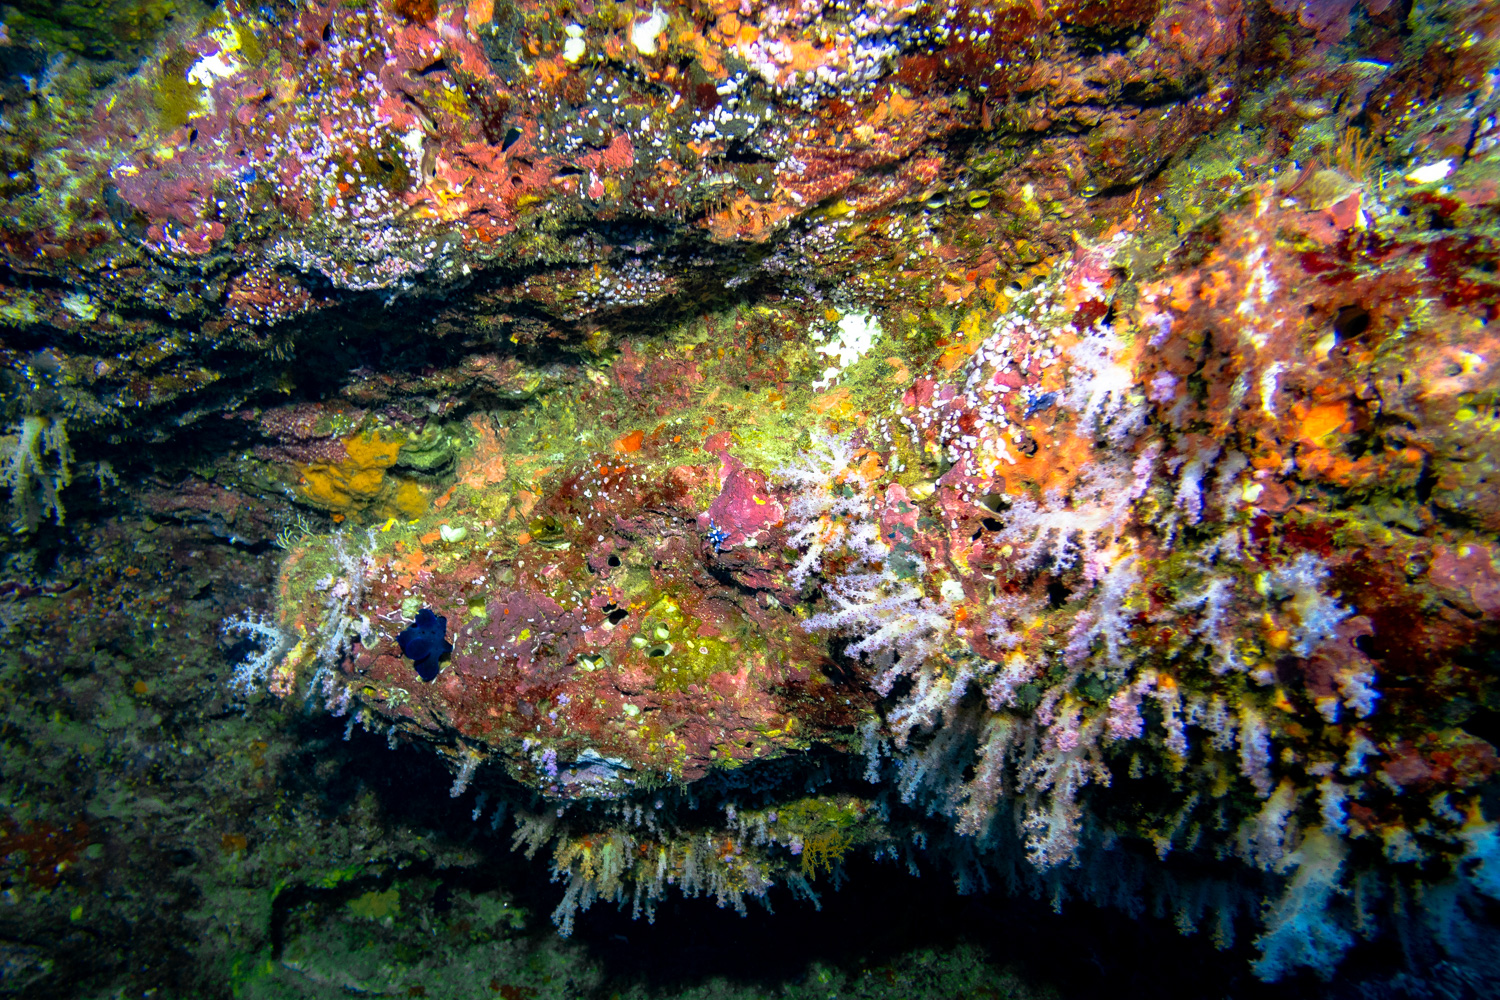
{"x":1351,"y":322}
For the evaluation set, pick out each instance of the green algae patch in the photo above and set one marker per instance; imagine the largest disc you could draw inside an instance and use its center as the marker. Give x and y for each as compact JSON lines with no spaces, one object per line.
{"x":107,"y":29}
{"x":434,"y":447}
{"x":177,"y":99}
{"x":677,"y":651}
{"x":20,"y":310}
{"x":385,"y":166}
{"x":376,"y":905}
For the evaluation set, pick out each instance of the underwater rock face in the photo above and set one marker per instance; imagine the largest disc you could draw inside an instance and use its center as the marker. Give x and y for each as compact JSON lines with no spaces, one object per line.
{"x":597,"y":653}
{"x":1174,"y":544}
{"x":1054,"y":440}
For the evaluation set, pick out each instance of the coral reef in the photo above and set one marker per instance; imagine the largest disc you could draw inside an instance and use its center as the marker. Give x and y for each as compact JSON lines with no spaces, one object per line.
{"x":1107,"y":542}
{"x":1049,"y":443}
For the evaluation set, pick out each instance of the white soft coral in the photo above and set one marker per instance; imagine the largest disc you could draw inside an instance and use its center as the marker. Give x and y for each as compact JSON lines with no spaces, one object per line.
{"x":892,"y":615}
{"x":1102,"y":390}
{"x":255,"y":669}
{"x":832,"y":509}
{"x":1317,"y":613}
{"x":1062,"y":531}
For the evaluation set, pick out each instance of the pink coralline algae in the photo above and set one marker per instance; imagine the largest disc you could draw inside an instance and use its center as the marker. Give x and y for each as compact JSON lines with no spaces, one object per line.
{"x":267,"y":297}
{"x":745,"y":509}
{"x":1470,"y":573}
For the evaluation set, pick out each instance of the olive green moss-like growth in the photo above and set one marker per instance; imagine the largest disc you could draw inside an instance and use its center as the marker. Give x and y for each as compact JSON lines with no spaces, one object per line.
{"x":677,"y":654}
{"x":177,"y":99}
{"x":97,"y":29}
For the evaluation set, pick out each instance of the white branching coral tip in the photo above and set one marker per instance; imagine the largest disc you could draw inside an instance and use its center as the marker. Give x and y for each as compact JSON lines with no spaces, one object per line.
{"x":256,"y":667}
{"x":1102,"y":389}
{"x":466,"y":768}
{"x":832,"y":508}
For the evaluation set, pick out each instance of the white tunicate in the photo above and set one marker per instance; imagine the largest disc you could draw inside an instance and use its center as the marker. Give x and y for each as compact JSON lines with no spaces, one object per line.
{"x":857,"y":333}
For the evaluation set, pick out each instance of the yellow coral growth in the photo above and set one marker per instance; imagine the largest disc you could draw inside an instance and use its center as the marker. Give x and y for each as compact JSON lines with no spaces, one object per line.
{"x":410,"y":500}
{"x":824,"y":850}
{"x":352,"y":483}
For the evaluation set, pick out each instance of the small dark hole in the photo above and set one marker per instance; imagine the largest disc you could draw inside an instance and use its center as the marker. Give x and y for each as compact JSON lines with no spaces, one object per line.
{"x":990,"y":524}
{"x":192,"y":137}
{"x":327,"y":32}
{"x":1351,"y":322}
{"x":511,"y":135}
{"x":1426,"y":481}
{"x":613,"y":560}
{"x":658,"y":651}
{"x":618,"y":615}
{"x":1057,"y":594}
{"x":1485,"y":724}
{"x":237,"y":652}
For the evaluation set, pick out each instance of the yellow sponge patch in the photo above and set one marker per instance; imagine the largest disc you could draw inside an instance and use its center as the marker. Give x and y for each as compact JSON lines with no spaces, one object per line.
{"x":354,"y":482}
